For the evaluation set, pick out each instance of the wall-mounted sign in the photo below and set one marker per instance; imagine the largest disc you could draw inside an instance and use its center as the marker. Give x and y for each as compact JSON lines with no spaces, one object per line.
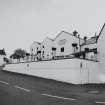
{"x":62,"y":42}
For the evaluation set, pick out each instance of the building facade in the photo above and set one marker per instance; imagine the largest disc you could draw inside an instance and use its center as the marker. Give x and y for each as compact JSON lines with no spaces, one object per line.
{"x":63,"y":45}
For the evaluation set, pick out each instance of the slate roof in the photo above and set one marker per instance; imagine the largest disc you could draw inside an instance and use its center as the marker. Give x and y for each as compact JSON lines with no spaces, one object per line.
{"x":92,"y":40}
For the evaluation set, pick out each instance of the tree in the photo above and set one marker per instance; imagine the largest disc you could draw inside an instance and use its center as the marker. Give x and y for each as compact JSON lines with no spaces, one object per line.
{"x":2,"y":52}
{"x":18,"y":53}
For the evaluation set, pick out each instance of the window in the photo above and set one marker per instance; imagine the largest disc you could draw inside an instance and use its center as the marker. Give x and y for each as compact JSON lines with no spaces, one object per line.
{"x":53,"y":49}
{"x":95,"y":51}
{"x":62,"y":49}
{"x":37,"y":48}
{"x":43,"y":52}
{"x":38,"y":52}
{"x":43,"y":46}
{"x":32,"y":49}
{"x":86,"y":49}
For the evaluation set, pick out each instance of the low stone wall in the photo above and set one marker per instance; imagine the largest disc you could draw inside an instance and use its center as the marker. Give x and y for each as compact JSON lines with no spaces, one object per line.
{"x":76,"y":71}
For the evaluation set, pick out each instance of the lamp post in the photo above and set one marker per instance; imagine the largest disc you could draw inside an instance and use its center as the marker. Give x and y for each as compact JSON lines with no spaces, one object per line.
{"x":88,"y":76}
{"x":81,"y":65}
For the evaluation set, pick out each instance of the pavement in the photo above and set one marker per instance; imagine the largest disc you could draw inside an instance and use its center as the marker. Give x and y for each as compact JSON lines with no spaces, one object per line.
{"x":17,"y":89}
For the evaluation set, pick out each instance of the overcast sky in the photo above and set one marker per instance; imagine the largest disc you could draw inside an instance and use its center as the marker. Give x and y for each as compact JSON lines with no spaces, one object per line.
{"x":25,"y":21}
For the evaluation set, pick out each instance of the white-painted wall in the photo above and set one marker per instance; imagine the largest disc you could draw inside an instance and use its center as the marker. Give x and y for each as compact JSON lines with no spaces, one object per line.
{"x":66,"y":70}
{"x":91,"y":55}
{"x":34,"y":46}
{"x":69,"y":39}
{"x":47,"y":43}
{"x":90,"y":46}
{"x":64,"y":39}
{"x":101,"y":47}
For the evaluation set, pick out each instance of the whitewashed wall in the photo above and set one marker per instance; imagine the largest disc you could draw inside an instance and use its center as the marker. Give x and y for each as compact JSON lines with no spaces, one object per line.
{"x":34,"y":46}
{"x":47,"y":43}
{"x":2,"y":60}
{"x":66,"y":70}
{"x":65,"y":40}
{"x":90,"y":46}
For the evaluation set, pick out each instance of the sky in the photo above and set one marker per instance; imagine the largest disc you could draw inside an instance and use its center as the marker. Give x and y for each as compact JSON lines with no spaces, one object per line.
{"x":25,"y":21}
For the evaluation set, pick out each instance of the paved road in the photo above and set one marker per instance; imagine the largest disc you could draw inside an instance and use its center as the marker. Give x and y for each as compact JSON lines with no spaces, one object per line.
{"x":16,"y":89}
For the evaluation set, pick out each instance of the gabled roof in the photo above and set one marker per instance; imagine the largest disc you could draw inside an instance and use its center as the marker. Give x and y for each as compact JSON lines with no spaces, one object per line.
{"x":58,"y":36}
{"x":101,"y":31}
{"x":50,"y":39}
{"x":47,"y":38}
{"x":37,"y":42}
{"x":94,"y":39}
{"x":66,"y":33}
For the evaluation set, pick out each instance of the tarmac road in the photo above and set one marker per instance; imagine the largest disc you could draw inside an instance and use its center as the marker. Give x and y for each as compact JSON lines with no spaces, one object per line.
{"x":17,"y":89}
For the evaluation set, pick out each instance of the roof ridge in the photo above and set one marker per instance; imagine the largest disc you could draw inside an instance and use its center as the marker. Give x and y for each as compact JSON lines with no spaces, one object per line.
{"x":49,"y":38}
{"x":37,"y":42}
{"x":72,"y":34}
{"x":100,"y":31}
{"x":58,"y":36}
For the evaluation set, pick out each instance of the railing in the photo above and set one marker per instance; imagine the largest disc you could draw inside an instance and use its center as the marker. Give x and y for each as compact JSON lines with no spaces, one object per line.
{"x":40,"y":60}
{"x":49,"y":59}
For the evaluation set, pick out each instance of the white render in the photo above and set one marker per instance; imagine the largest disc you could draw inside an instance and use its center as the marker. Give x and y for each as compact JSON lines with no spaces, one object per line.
{"x":47,"y":44}
{"x":101,"y":47}
{"x":33,"y":49}
{"x":65,"y":37}
{"x":66,"y":70}
{"x":69,"y":39}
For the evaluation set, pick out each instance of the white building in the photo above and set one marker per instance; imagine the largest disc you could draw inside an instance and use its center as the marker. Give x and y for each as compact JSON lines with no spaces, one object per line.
{"x":61,"y":46}
{"x":64,"y":43}
{"x":67,"y":45}
{"x":89,"y":67}
{"x":89,"y":49}
{"x":34,"y":48}
{"x":46,"y":49}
